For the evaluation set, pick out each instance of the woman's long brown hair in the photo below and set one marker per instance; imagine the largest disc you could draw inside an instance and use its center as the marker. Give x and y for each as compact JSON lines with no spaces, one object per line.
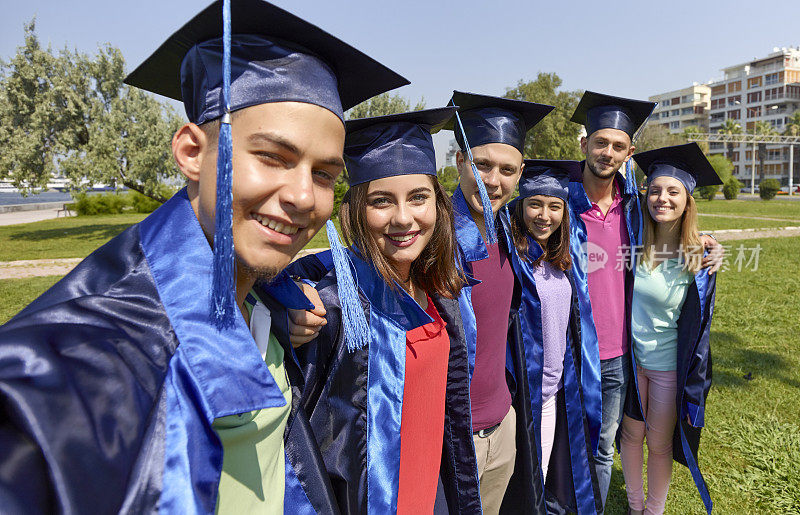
{"x":434,"y":271}
{"x":556,"y":252}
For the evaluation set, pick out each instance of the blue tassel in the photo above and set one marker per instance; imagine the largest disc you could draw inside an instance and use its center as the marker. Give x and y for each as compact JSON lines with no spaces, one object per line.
{"x":223,"y":294}
{"x":488,"y":214}
{"x":356,"y":328}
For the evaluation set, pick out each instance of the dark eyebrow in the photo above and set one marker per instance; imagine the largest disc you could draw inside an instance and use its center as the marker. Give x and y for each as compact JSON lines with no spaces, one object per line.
{"x":260,"y":137}
{"x":287,"y":145}
{"x":420,"y":189}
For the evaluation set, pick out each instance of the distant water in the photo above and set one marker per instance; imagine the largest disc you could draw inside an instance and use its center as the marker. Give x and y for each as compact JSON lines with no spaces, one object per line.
{"x":7,"y":197}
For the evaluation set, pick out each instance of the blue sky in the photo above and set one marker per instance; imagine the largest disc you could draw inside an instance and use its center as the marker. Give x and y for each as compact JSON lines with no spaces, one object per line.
{"x":625,"y":48}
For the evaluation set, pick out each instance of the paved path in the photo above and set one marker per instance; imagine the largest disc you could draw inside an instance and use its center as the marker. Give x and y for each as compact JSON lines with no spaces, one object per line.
{"x":751,"y":217}
{"x":751,"y":234}
{"x":24,"y":217}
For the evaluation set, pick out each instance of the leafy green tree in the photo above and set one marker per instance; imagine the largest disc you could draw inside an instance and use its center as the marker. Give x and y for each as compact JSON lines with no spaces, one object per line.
{"x":70,"y":114}
{"x":555,"y":137}
{"x":763,"y":128}
{"x":730,"y":128}
{"x":382,"y":105}
{"x":653,"y":136}
{"x":694,"y":129}
{"x":792,"y":127}
{"x":448,"y":177}
{"x":724,"y":168}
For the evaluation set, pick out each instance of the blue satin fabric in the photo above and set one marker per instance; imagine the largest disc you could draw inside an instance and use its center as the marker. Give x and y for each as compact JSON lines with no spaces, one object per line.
{"x":609,"y":117}
{"x":295,"y":500}
{"x":213,"y":373}
{"x":392,"y":313}
{"x":693,"y":378}
{"x":670,"y":170}
{"x":389,"y":149}
{"x":590,"y":366}
{"x":470,"y":248}
{"x":531,"y":323}
{"x":261,"y":71}
{"x":492,"y":125}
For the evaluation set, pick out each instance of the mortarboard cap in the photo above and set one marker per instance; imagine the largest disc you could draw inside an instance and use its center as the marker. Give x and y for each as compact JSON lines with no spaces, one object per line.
{"x":687,"y":163}
{"x":547,"y":177}
{"x":487,"y":119}
{"x":396,"y":144}
{"x":275,"y":56}
{"x":597,"y":111}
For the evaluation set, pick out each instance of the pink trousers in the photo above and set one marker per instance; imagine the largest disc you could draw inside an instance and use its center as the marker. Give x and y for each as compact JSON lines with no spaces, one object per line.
{"x":657,"y":393}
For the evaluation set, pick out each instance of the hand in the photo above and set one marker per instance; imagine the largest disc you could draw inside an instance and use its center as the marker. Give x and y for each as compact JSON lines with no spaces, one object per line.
{"x":712,"y":260}
{"x":304,"y":325}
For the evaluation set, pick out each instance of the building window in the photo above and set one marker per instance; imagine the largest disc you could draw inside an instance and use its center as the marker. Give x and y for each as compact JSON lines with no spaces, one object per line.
{"x":717,"y":117}
{"x":675,"y":125}
{"x":754,"y":112}
{"x":734,"y":115}
{"x":770,"y":79}
{"x":733,"y":87}
{"x":734,"y":100}
{"x":687,"y":110}
{"x":699,"y":109}
{"x":676,"y":100}
{"x":665,"y":102}
{"x":735,"y":156}
{"x":675,"y":112}
{"x":716,"y":145}
{"x":754,"y":97}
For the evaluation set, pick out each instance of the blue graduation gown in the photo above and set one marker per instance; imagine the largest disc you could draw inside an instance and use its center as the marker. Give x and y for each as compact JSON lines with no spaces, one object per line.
{"x":110,"y":381}
{"x":590,"y":370}
{"x":524,"y":493}
{"x":571,"y":481}
{"x":694,"y":377}
{"x":354,"y":399}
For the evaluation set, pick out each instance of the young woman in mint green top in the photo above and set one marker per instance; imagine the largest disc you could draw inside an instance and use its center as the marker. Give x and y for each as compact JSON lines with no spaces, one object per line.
{"x":671,"y":358}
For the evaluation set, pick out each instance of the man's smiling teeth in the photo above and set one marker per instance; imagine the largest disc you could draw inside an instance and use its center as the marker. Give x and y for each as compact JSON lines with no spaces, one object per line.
{"x":275,"y":226}
{"x":401,"y":239}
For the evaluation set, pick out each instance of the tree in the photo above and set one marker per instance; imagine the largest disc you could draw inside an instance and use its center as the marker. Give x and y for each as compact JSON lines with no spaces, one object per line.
{"x":724,"y":168}
{"x":691,"y":130}
{"x":448,"y":177}
{"x":555,"y":137}
{"x":654,"y":136}
{"x":730,"y":128}
{"x":793,"y":125}
{"x":70,"y":114}
{"x":763,"y":128}
{"x":382,"y":105}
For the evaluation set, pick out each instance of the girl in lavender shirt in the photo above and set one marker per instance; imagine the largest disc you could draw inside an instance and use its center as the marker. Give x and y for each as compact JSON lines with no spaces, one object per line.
{"x":550,"y":326}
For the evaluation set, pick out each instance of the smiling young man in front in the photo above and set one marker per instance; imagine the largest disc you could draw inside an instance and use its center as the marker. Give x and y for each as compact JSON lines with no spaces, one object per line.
{"x":121,"y":388}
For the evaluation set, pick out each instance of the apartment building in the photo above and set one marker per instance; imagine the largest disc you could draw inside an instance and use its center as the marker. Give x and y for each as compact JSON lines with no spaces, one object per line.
{"x":683,"y":108}
{"x":765,"y":89}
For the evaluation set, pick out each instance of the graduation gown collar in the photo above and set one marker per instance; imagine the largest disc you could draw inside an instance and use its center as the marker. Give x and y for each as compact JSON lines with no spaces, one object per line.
{"x":467,"y":234}
{"x":392,"y":303}
{"x":579,"y":201}
{"x":225,"y":366}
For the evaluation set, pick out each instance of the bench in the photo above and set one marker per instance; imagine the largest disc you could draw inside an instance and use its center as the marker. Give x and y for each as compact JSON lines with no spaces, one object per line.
{"x":66,"y":209}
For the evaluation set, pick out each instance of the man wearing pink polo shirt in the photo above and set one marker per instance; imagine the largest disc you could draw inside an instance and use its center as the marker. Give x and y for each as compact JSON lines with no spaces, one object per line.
{"x":605,"y":224}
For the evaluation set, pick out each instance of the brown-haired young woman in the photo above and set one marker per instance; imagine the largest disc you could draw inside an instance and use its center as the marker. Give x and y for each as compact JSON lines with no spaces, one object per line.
{"x":551,"y":334}
{"x":387,"y":385}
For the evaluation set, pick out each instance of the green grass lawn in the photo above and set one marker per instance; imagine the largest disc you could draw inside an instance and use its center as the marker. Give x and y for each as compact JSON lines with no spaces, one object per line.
{"x":714,"y":223}
{"x":775,"y":208}
{"x":61,"y":237}
{"x":751,"y":445}
{"x":750,"y":448}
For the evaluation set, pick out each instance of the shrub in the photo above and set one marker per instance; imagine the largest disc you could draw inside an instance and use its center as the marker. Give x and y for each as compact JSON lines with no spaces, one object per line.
{"x":707,"y":192}
{"x":101,"y":204}
{"x":142,"y":203}
{"x":768,"y":188}
{"x":731,"y":188}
